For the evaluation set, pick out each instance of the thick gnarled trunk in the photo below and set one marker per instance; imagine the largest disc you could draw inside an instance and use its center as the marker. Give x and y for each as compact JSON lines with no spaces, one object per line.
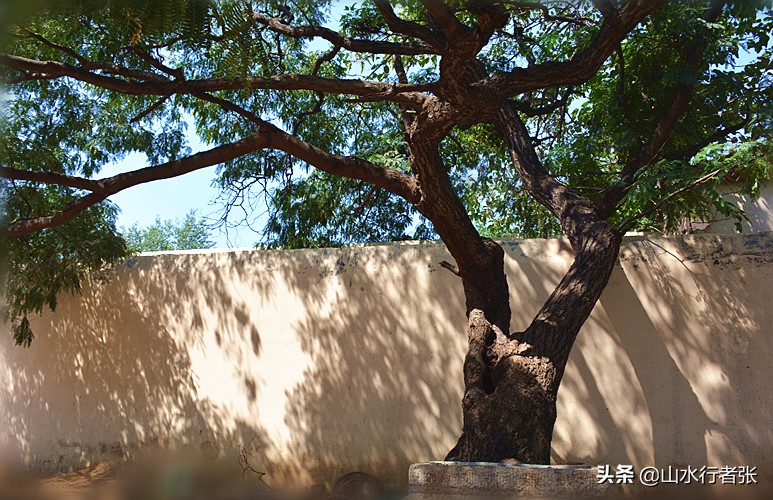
{"x":508,"y":413}
{"x":512,"y":380}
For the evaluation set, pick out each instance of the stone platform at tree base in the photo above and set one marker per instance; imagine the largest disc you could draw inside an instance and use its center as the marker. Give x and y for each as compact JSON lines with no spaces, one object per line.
{"x":474,"y":481}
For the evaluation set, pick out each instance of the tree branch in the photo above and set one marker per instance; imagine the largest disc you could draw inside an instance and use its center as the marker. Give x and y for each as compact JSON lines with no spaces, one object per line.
{"x":677,"y":108}
{"x":337,"y":39}
{"x":408,"y":28}
{"x":531,"y":111}
{"x":606,"y":7}
{"x":462,"y":44}
{"x":49,"y":178}
{"x":405,"y":95}
{"x":268,"y":137}
{"x":628,"y":223}
{"x":112,"y":185}
{"x":687,"y":153}
{"x":585,"y":63}
{"x":546,"y":13}
{"x":569,"y":207}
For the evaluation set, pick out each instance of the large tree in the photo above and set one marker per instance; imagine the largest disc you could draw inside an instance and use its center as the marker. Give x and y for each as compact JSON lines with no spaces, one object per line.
{"x":465,"y":120}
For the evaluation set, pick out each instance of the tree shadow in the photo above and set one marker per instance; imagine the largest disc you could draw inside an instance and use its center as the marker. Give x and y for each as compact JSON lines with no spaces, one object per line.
{"x":664,"y":371}
{"x":112,"y":373}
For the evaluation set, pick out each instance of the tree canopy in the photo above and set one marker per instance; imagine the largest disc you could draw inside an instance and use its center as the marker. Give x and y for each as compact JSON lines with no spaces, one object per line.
{"x":387,"y":127}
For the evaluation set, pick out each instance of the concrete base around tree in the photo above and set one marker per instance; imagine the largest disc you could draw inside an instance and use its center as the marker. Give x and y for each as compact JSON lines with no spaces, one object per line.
{"x":473,"y":481}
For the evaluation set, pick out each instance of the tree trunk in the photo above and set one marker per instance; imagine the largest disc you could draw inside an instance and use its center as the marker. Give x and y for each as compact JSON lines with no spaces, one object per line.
{"x":508,"y":414}
{"x":512,"y":380}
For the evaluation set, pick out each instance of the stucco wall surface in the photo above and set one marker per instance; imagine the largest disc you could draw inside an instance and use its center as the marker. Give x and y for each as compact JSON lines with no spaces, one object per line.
{"x":330,"y":361}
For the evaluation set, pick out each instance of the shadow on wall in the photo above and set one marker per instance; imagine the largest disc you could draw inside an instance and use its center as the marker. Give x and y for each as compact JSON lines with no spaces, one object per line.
{"x":331,"y":361}
{"x":671,"y":367}
{"x":386,"y":339}
{"x":328,"y":357}
{"x":109,"y":374}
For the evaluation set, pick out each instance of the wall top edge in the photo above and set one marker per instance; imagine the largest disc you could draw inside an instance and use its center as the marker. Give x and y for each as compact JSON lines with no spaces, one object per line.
{"x":763,"y":238}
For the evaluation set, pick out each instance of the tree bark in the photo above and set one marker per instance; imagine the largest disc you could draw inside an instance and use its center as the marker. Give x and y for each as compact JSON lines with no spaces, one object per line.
{"x":512,"y":381}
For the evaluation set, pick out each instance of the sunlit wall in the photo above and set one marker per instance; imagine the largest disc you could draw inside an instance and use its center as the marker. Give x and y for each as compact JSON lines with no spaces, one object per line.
{"x":322,"y":362}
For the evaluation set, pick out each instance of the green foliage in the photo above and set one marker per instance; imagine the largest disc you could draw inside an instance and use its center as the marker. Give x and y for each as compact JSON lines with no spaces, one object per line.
{"x":614,"y":116}
{"x":44,"y":264}
{"x":741,"y":166}
{"x":190,"y":233}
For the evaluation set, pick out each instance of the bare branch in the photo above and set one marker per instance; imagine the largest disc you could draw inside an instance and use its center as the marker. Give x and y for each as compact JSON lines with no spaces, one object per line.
{"x":151,"y":109}
{"x":277,"y":25}
{"x":450,"y":267}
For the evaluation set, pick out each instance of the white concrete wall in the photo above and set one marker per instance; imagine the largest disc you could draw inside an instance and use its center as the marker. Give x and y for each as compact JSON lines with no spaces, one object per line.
{"x":332,"y":361}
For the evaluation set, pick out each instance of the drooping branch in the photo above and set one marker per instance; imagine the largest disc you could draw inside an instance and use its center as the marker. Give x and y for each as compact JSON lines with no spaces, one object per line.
{"x":268,"y":137}
{"x":112,"y":185}
{"x":353,"y":167}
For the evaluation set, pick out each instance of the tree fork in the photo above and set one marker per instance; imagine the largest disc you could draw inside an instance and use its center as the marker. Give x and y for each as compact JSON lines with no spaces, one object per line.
{"x":512,"y":381}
